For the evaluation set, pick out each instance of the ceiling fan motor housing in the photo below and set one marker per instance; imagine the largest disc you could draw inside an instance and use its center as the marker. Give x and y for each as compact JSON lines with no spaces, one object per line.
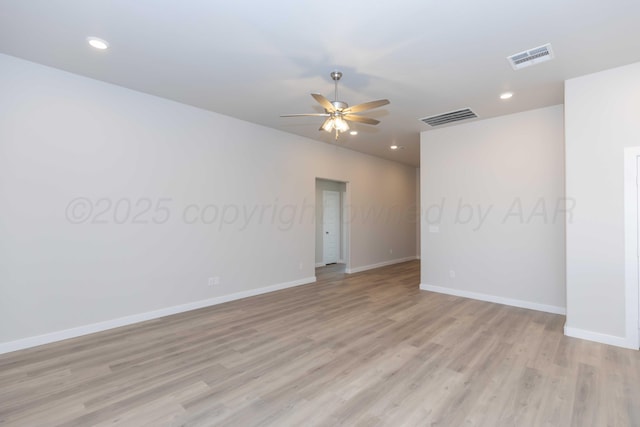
{"x":339,"y":105}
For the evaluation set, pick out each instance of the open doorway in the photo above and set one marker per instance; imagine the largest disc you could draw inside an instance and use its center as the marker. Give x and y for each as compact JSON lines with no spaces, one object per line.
{"x":332,"y":249}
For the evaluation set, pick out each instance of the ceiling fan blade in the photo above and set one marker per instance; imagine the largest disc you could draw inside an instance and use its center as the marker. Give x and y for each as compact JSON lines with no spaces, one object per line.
{"x":360,"y":119}
{"x":367,"y":106}
{"x":324,"y":102}
{"x":307,"y":115}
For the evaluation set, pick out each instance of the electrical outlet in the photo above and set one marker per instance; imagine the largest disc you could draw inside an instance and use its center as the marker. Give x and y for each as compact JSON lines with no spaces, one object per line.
{"x":452,"y":274}
{"x":390,"y":251}
{"x":300,"y":266}
{"x":213,"y":281}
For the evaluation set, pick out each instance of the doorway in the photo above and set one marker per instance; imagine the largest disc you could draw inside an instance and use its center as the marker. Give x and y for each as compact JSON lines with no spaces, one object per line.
{"x":331,"y":226}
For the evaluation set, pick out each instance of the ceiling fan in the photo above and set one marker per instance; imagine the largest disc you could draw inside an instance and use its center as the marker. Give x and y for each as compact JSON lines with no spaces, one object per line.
{"x":338,"y":113}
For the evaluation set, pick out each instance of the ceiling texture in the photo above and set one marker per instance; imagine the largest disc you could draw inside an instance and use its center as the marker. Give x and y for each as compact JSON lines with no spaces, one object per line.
{"x":255,"y":60}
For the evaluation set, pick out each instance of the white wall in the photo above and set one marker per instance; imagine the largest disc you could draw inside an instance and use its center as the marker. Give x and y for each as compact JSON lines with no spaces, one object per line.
{"x":64,"y":137}
{"x":328,"y":185}
{"x":492,"y":187}
{"x":602,"y":118}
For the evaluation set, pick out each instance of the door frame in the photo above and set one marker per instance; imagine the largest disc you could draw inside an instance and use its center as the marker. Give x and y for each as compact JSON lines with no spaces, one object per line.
{"x":345,"y":221}
{"x":632,"y":246}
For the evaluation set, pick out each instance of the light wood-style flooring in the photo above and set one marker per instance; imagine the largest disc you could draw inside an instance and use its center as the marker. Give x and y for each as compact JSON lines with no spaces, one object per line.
{"x":366,"y":349}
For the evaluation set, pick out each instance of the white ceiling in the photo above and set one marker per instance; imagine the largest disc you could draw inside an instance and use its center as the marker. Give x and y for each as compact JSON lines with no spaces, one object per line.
{"x":255,"y":60}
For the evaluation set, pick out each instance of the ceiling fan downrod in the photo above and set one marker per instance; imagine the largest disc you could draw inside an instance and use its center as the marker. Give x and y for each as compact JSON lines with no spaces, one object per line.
{"x":336,"y":75}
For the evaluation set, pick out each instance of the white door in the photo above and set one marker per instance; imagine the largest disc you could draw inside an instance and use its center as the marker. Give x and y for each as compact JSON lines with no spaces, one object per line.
{"x":330,"y":226}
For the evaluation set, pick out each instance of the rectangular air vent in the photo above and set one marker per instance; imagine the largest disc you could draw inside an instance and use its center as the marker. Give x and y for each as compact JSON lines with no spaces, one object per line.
{"x":454,"y":116}
{"x":531,"y":57}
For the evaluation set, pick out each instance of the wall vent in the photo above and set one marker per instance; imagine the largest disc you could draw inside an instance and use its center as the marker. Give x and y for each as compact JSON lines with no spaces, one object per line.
{"x":531,"y":57}
{"x":453,"y":116}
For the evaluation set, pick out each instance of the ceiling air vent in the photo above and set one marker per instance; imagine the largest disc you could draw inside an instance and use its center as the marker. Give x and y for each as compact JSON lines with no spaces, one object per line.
{"x":531,"y":57}
{"x":446,"y":118}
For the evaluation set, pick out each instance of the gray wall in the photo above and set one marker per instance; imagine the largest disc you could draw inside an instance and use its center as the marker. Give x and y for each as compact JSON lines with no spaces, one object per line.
{"x":209,"y":196}
{"x":492,"y":188}
{"x":602,"y":118}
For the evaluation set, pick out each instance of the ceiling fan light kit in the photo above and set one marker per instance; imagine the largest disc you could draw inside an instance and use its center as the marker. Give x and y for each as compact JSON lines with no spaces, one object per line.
{"x":338,"y":113}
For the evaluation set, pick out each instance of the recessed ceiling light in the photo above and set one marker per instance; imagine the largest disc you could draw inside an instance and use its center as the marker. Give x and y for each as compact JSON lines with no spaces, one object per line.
{"x":98,"y":43}
{"x":353,"y":132}
{"x":506,"y":95}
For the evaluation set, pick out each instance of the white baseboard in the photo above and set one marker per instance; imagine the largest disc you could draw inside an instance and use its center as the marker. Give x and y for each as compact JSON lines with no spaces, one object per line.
{"x":29,"y":342}
{"x":598,"y":337}
{"x":378,"y":265}
{"x":492,"y":298}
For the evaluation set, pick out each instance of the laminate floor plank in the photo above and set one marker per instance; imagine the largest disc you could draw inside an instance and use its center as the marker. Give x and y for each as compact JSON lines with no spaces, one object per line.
{"x":366,"y":349}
